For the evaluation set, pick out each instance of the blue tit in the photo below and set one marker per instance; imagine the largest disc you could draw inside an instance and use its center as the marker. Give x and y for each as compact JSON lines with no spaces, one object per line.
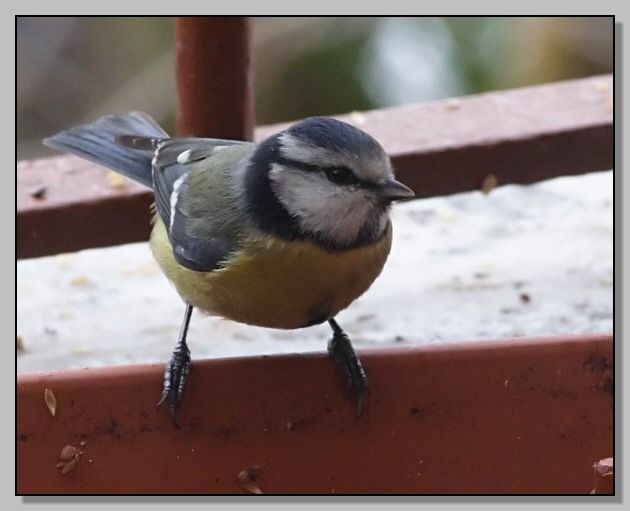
{"x":284,"y":233}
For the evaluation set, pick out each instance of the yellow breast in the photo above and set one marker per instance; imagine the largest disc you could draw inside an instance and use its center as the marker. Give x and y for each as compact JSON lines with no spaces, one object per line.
{"x":276,"y":283}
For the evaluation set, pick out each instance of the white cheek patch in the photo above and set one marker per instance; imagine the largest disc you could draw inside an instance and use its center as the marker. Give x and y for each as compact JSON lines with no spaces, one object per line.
{"x":321,"y":207}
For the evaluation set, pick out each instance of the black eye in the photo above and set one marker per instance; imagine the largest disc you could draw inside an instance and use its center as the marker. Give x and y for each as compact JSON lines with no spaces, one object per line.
{"x":342,"y":176}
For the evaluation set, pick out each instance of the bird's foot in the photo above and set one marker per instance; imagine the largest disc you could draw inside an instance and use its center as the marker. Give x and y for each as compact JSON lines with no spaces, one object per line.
{"x":341,"y":350}
{"x":176,"y":378}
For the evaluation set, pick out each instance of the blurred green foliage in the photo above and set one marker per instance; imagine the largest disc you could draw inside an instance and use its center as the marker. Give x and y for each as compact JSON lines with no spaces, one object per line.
{"x":73,"y":69}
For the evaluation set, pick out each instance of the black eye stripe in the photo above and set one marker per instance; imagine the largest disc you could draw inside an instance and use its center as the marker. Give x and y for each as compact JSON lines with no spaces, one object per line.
{"x":307,"y":167}
{"x":328,"y":171}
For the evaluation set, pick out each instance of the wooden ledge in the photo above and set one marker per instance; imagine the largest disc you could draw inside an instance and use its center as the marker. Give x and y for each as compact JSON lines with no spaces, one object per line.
{"x":514,"y":416}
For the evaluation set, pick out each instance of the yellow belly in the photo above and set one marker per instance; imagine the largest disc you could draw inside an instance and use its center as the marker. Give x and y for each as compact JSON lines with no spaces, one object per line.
{"x":276,"y":283}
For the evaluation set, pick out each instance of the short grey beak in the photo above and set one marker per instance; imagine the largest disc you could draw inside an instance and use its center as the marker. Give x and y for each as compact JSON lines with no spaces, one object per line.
{"x":392,"y":190}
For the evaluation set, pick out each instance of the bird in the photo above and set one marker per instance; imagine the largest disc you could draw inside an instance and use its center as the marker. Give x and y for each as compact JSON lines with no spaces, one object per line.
{"x":283,"y":233}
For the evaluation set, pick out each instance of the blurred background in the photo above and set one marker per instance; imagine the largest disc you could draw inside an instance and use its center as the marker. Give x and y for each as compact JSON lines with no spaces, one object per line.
{"x":73,"y":69}
{"x":475,"y":275}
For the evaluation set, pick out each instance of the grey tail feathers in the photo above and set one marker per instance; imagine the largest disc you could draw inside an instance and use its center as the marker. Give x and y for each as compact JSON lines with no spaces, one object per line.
{"x":102,"y":142}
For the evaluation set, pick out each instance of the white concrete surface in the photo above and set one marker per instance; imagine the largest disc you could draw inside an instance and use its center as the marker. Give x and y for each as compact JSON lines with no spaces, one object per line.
{"x":523,"y":260}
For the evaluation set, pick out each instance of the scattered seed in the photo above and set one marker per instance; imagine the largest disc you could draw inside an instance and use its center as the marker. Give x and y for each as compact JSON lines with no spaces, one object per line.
{"x":114,"y":180}
{"x":80,"y":282}
{"x":453,"y":104}
{"x":607,"y":282}
{"x":525,"y":298}
{"x":68,"y":458}
{"x":39,"y":192}
{"x":51,"y":401}
{"x":81,"y":350}
{"x":68,"y":452}
{"x":247,"y":477}
{"x":489,"y":183}
{"x":70,"y":464}
{"x":19,"y":344}
{"x":63,"y":260}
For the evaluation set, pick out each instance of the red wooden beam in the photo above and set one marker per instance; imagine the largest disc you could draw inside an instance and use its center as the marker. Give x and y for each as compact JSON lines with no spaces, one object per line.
{"x":517,"y":136}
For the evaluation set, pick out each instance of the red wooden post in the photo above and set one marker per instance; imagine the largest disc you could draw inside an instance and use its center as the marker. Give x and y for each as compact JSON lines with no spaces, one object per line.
{"x":214,"y":77}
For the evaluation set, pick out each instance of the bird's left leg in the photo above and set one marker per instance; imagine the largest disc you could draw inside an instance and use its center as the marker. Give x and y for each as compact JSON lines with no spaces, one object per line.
{"x":341,"y":350}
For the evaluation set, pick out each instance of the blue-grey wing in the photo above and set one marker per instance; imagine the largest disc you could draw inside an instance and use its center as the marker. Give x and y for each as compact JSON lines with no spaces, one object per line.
{"x":201,"y":237}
